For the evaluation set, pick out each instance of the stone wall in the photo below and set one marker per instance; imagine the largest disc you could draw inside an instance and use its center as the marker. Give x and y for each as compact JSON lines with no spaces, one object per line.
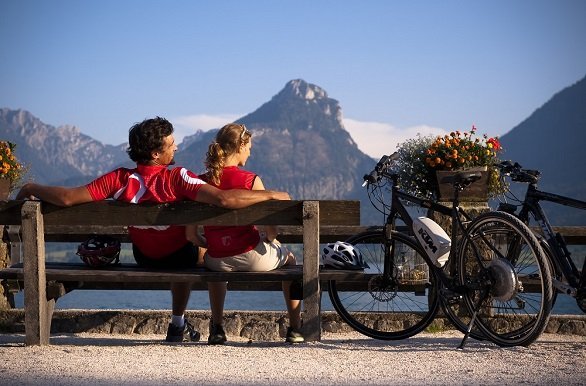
{"x":257,"y":325}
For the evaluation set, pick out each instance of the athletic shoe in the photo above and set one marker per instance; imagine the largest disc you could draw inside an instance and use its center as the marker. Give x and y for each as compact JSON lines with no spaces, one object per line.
{"x":217,"y":334}
{"x":294,"y":336}
{"x":187,"y":333}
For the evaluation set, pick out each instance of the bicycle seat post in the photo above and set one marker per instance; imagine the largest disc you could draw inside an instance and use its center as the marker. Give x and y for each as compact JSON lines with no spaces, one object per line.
{"x":455,"y":206}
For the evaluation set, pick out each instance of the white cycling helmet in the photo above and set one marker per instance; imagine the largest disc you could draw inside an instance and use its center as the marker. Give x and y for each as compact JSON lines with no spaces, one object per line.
{"x":342,"y":255}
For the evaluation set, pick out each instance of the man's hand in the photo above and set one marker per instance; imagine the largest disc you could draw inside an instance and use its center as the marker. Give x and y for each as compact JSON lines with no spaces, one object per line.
{"x":279,"y":195}
{"x":23,"y":193}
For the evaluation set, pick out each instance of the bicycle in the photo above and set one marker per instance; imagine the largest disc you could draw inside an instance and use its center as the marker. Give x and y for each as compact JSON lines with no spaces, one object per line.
{"x":409,"y":278}
{"x":567,"y":278}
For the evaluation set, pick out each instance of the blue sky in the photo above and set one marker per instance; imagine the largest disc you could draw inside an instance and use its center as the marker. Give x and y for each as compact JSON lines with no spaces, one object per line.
{"x":396,"y":67}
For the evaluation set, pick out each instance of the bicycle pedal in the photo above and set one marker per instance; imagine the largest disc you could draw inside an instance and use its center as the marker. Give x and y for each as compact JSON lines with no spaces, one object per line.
{"x":455,"y":299}
{"x":194,"y":336}
{"x":451,"y":297}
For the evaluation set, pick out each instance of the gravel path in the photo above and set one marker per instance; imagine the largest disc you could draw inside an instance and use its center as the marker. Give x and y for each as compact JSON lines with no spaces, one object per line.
{"x":340,"y":359}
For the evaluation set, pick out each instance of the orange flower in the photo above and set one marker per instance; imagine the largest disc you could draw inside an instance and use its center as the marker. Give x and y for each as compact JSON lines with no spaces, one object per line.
{"x":10,"y":168}
{"x":462,"y":149}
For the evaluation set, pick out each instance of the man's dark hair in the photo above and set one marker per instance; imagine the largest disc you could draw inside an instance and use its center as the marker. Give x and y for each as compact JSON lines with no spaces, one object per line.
{"x":146,"y":137}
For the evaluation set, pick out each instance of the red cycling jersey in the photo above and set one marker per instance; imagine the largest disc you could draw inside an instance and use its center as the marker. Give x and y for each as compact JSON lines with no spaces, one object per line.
{"x":150,"y":184}
{"x":226,"y":241}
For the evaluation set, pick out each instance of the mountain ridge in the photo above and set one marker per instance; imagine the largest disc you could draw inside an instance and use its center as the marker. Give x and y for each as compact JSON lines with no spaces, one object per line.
{"x":551,"y":140}
{"x":300,"y":146}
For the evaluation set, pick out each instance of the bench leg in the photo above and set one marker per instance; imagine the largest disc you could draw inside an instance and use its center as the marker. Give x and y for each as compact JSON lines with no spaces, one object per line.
{"x":37,"y":309}
{"x":311,"y":289}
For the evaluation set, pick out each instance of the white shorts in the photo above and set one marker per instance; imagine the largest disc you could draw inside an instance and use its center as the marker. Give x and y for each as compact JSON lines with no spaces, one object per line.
{"x":264,"y":257}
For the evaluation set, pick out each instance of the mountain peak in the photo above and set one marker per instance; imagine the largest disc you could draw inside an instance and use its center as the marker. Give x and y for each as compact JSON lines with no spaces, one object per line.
{"x":301,"y":89}
{"x":298,"y":106}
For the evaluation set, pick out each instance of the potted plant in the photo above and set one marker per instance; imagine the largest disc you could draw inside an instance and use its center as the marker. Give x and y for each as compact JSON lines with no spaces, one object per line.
{"x":11,"y":171}
{"x":424,"y":161}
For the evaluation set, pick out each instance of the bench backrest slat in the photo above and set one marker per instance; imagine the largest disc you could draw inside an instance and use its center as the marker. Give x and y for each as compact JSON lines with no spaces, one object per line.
{"x":188,"y":212}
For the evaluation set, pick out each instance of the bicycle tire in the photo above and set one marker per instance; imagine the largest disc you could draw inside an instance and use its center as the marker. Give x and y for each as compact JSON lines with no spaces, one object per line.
{"x":399,"y":309}
{"x":510,"y":312}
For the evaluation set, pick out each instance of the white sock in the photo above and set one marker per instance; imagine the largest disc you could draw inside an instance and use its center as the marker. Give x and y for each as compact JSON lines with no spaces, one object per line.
{"x":178,"y":320}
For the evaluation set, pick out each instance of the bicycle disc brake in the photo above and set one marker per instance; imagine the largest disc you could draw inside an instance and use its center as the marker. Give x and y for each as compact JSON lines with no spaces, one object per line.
{"x":382,"y":289}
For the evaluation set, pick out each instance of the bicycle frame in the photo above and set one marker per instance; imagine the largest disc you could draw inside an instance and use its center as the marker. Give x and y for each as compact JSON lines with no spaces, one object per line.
{"x":398,"y":210}
{"x":556,"y":243}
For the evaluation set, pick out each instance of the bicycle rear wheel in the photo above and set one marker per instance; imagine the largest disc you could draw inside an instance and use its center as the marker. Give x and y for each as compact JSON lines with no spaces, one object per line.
{"x":388,"y":308}
{"x":460,"y":316}
{"x":508,"y":279}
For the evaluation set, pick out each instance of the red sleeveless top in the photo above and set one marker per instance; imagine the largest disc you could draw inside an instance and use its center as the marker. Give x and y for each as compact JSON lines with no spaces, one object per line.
{"x":226,"y":241}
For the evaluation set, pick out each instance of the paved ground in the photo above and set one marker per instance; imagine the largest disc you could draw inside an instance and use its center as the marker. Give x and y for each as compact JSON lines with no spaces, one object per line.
{"x":348,"y":359}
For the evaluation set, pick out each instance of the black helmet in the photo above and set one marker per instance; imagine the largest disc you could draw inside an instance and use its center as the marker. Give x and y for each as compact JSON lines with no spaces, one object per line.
{"x":98,"y":251}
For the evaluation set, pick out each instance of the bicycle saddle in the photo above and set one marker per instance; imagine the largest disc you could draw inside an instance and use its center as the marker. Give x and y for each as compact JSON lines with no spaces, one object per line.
{"x":461,"y":178}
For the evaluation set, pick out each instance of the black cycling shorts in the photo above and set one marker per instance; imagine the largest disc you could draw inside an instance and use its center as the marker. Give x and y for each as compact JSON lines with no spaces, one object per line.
{"x":185,"y":257}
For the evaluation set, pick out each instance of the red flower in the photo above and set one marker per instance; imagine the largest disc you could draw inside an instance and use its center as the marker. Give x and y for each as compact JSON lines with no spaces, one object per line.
{"x":496,"y":145}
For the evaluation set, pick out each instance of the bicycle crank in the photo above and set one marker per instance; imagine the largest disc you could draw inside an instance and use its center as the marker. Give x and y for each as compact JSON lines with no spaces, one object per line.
{"x":581,"y":299}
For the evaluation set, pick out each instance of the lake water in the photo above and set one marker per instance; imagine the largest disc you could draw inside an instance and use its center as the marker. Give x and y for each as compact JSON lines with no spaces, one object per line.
{"x":235,"y":300}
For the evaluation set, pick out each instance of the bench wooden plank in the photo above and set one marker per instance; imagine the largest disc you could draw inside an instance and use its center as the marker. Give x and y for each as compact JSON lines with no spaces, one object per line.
{"x":79,"y":276}
{"x":574,"y":235}
{"x":272,"y":212}
{"x":136,"y":274}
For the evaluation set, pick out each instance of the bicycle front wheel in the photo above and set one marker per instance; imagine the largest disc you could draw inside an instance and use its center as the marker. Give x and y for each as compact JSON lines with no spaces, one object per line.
{"x":507,"y":278}
{"x":390,"y":307}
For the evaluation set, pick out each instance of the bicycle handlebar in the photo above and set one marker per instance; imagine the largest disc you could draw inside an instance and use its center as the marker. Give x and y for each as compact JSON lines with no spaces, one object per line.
{"x":382,"y":165}
{"x":517,"y":173}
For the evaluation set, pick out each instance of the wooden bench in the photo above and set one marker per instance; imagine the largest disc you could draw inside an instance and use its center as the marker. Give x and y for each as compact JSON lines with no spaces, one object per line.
{"x":45,"y":283}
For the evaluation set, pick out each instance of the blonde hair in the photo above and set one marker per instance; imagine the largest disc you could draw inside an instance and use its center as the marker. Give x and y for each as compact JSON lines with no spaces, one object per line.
{"x":228,"y":141}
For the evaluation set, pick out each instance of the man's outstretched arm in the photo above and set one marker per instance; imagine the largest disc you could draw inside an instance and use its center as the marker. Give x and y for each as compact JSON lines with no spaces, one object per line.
{"x":56,"y":195}
{"x":237,"y":198}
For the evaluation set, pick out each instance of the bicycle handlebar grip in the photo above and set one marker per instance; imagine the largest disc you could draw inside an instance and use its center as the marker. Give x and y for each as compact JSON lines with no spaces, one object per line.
{"x":381,"y":165}
{"x":371,"y":178}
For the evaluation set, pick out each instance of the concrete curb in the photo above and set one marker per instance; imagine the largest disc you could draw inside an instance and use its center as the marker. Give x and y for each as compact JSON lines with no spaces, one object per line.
{"x":254,"y":325}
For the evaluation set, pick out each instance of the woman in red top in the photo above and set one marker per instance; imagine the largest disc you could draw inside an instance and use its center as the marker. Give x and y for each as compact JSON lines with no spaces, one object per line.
{"x":240,"y":248}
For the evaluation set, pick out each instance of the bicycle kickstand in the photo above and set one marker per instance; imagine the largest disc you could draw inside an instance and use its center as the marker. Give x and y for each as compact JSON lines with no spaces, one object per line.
{"x":472,"y":321}
{"x":468,"y":330}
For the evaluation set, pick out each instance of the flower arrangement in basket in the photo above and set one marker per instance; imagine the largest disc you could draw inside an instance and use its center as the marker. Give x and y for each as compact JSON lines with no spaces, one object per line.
{"x":11,"y":171}
{"x":424,"y":158}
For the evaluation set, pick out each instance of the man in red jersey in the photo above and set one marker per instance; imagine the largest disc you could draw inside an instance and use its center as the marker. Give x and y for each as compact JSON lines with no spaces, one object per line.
{"x":152,"y":147}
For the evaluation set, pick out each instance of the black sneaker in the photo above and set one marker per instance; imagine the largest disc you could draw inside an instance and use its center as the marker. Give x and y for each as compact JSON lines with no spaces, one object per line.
{"x":294,"y":336}
{"x":187,"y":333}
{"x":217,"y":334}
